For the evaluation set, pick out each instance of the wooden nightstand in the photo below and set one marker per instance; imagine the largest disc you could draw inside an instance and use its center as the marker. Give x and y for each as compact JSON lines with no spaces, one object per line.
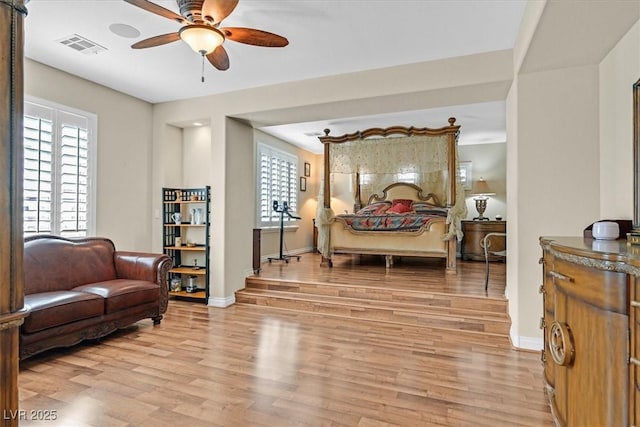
{"x":474,"y":232}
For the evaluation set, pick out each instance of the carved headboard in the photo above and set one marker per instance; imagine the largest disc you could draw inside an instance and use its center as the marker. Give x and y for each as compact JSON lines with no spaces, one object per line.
{"x":403,"y":190}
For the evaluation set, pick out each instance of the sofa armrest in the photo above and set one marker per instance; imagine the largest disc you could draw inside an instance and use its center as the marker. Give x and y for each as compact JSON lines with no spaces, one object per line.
{"x":145,"y":266}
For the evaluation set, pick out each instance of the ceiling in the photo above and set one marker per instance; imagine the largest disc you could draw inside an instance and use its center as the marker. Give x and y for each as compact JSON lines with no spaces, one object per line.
{"x":326,"y":37}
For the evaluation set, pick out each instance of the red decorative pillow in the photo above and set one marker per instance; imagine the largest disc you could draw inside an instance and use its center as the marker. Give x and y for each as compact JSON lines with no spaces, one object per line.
{"x":400,"y":206}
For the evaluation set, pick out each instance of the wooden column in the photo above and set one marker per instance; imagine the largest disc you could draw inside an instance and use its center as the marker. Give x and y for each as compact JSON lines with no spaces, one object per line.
{"x":12,"y":313}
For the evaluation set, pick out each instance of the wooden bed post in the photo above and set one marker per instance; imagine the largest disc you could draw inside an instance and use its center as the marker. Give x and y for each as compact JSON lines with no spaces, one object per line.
{"x":326,"y":192}
{"x":327,"y":180}
{"x":451,"y":196}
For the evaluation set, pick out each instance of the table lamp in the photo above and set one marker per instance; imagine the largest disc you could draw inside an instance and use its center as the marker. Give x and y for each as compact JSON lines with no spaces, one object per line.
{"x":481,"y":191}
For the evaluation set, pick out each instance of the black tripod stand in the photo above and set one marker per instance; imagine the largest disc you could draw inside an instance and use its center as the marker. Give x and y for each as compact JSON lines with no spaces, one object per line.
{"x":283,"y":210}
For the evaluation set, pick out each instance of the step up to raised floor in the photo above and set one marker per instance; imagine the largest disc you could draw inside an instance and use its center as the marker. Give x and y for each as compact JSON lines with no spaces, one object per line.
{"x":383,"y":304}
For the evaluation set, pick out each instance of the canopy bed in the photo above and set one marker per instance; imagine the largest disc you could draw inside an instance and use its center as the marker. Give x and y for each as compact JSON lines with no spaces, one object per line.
{"x":414,"y":197}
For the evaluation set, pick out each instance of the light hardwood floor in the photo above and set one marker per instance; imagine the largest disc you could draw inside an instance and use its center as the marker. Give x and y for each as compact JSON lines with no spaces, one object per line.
{"x":409,"y":273}
{"x":416,"y":291}
{"x":250,"y":365}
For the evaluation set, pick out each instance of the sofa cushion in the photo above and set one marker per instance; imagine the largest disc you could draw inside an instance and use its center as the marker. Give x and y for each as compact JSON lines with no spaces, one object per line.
{"x":120,"y":294}
{"x":49,"y":309}
{"x":55,"y":264}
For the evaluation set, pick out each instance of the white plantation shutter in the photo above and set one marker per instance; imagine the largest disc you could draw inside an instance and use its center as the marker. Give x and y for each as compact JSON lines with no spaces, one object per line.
{"x":277,"y":180}
{"x":73,"y":180}
{"x":58,"y":175}
{"x":38,"y":147}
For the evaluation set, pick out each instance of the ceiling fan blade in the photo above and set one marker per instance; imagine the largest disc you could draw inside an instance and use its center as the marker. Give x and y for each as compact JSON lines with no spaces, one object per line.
{"x":156,"y":41}
{"x":218,"y":9}
{"x":219,"y":58}
{"x":158,"y":10}
{"x":254,"y":37}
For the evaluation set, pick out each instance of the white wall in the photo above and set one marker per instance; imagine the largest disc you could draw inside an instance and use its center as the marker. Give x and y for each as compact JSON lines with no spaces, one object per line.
{"x":172,"y":159}
{"x":196,"y":152}
{"x":124,"y":151}
{"x":512,"y":290}
{"x":239,"y":207}
{"x":556,"y":174}
{"x":568,"y":152}
{"x":489,"y":161}
{"x":618,"y":72}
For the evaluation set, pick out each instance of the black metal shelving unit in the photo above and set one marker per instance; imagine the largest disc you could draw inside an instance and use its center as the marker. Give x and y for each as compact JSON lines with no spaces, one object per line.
{"x":191,"y":258}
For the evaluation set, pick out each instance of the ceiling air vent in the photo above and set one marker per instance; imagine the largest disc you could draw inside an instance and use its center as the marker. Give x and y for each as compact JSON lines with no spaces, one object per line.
{"x":82,"y":44}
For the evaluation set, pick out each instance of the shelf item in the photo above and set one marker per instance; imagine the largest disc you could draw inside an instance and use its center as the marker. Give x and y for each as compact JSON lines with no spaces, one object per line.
{"x":193,"y":295}
{"x":198,"y":248}
{"x":188,"y":271}
{"x":185,"y":235}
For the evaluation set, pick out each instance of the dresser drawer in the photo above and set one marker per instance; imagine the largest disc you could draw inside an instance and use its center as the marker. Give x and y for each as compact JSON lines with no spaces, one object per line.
{"x":603,"y":289}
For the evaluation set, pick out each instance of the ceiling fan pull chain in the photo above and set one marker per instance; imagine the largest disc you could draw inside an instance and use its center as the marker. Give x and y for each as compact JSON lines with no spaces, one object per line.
{"x":202,"y":54}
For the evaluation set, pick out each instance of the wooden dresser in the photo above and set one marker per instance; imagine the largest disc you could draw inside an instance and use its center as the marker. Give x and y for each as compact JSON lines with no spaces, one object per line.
{"x":591,"y":292}
{"x":474,"y":232}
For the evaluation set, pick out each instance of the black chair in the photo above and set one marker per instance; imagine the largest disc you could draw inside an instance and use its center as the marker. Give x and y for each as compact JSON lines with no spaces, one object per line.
{"x":486,"y":243}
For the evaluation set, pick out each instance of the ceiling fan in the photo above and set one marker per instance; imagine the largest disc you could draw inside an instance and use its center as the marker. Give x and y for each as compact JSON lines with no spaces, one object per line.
{"x":201,"y":29}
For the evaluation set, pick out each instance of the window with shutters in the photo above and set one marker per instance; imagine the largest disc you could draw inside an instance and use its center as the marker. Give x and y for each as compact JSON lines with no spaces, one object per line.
{"x":59,"y":176}
{"x":277,"y":181}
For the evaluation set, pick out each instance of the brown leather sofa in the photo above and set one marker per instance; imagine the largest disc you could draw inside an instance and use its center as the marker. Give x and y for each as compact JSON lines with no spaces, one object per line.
{"x":78,"y":289}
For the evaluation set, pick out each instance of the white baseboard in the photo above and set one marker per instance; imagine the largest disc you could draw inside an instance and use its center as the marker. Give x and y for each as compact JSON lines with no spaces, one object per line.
{"x":527,"y":343}
{"x":221,"y":302}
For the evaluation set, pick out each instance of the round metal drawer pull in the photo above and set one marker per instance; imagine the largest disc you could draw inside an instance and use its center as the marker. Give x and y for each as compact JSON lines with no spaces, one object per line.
{"x":561,"y":344}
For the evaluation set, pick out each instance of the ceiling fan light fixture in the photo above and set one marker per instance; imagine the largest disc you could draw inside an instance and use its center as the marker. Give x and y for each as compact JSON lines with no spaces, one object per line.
{"x":203,"y":39}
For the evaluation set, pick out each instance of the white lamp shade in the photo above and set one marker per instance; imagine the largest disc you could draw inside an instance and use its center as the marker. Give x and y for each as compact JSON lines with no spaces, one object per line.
{"x":203,"y":39}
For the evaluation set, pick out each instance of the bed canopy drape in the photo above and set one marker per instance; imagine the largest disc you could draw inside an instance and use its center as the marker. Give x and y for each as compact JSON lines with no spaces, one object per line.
{"x":376,"y":158}
{"x":383,"y":161}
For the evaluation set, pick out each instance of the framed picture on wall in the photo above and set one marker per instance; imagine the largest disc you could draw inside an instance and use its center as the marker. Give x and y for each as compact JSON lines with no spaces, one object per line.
{"x":303,"y":183}
{"x":307,"y":169}
{"x":464,"y":172}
